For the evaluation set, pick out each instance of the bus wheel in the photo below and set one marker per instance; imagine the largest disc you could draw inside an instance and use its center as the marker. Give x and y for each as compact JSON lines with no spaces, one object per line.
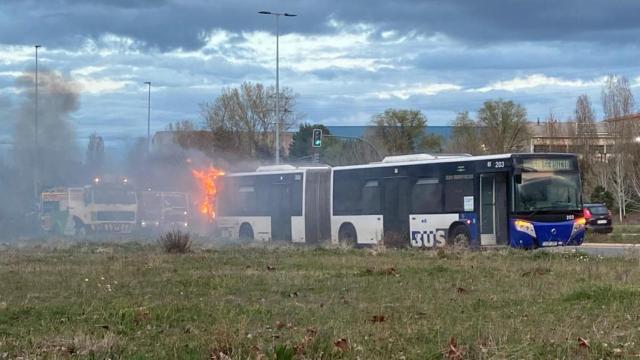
{"x":246,"y":232}
{"x":459,"y":237}
{"x":347,"y":235}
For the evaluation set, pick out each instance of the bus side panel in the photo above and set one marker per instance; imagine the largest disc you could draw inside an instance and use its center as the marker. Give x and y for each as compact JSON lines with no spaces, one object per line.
{"x":229,"y":226}
{"x":297,"y":229}
{"x":369,"y":228}
{"x":430,"y":230}
{"x":317,"y":204}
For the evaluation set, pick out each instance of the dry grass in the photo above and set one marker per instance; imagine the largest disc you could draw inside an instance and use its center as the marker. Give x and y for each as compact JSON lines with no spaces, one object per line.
{"x":175,"y":242}
{"x":139,"y":302}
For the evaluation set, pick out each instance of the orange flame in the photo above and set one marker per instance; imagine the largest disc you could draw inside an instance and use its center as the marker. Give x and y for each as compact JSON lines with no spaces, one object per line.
{"x":207,"y":182}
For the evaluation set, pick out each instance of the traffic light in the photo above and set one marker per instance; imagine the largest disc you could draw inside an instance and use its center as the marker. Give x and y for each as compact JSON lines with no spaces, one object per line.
{"x":317,"y":138}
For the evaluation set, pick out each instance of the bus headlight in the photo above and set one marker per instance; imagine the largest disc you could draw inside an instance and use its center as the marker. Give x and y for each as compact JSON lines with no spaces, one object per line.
{"x":578,"y":224}
{"x":525,"y":227}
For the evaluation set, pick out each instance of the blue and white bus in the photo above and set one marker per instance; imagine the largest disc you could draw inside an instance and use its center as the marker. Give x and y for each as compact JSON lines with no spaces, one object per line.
{"x":521,"y":200}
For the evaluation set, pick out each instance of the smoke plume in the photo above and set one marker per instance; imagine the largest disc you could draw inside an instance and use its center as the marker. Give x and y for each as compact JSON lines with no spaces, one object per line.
{"x":53,"y":161}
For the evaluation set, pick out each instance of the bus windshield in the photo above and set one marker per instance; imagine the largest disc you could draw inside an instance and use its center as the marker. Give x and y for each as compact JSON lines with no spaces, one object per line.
{"x":540,"y":191}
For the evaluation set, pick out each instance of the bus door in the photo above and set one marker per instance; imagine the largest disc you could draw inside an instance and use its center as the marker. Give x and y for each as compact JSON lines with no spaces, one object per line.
{"x":281,"y":211}
{"x":396,"y":211}
{"x":493,"y":209}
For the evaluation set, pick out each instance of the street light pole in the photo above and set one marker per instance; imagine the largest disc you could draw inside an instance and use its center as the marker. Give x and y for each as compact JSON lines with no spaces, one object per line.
{"x":277,"y":137}
{"x":277,"y":89}
{"x":148,"y":118}
{"x":36,"y":167}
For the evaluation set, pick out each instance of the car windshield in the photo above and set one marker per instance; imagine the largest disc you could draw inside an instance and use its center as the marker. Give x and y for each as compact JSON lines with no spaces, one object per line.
{"x":541,"y":191}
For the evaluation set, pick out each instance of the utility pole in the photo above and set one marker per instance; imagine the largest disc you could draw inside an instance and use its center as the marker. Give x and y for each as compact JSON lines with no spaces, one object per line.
{"x":148,"y":118}
{"x":36,"y":150}
{"x":277,"y":137}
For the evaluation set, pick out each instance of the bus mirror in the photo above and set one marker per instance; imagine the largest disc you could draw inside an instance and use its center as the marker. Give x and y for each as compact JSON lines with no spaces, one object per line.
{"x":518,"y":178}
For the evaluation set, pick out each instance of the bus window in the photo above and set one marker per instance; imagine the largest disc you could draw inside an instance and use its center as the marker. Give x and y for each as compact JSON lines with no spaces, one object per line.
{"x":224,"y":202}
{"x":371,"y":198}
{"x":246,"y":200}
{"x":426,"y":196}
{"x":346,"y":195}
{"x":456,"y":187}
{"x":296,"y":198}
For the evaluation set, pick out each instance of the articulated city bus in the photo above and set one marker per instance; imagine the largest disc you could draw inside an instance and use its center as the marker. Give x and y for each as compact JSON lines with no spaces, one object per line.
{"x":521,"y":200}
{"x":275,"y":203}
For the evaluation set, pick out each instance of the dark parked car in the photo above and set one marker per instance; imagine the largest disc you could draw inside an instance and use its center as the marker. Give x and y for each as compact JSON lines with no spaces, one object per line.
{"x":598,"y":218}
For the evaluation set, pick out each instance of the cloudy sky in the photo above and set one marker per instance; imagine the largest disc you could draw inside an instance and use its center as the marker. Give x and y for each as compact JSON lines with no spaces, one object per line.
{"x":347,"y":60}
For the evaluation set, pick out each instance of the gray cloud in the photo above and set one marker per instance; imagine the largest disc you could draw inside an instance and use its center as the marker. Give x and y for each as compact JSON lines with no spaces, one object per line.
{"x":170,"y":24}
{"x":347,"y":59}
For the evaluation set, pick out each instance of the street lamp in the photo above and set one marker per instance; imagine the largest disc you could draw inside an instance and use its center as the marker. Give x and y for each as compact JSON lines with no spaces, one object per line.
{"x":277,"y":15}
{"x":148,"y":117}
{"x":36,"y":168}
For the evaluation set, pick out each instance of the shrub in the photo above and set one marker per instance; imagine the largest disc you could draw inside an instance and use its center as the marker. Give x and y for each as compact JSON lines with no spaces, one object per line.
{"x":602,"y":196}
{"x":175,"y":242}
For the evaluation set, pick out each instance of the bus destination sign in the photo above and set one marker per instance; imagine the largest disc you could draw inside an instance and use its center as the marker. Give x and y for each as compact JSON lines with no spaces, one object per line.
{"x":548,"y":164}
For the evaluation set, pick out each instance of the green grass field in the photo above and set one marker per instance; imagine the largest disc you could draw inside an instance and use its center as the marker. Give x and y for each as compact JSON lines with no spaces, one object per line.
{"x":629,"y":234}
{"x":132,"y":301}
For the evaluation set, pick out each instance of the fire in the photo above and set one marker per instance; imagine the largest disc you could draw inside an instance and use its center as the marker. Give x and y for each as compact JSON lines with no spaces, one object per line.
{"x":207,"y":182}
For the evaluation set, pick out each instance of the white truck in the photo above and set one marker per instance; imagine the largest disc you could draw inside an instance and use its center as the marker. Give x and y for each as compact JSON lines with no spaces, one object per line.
{"x":95,"y":208}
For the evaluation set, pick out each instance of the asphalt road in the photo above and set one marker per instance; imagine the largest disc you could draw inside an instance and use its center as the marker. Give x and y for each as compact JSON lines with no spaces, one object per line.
{"x":602,"y":249}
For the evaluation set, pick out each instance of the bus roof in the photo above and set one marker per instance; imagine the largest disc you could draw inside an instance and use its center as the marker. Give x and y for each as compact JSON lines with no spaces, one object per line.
{"x":279,"y":171}
{"x":447,"y":159}
{"x":402,"y":160}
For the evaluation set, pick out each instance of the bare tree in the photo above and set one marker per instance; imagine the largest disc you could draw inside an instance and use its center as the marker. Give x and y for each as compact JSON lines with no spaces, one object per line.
{"x":551,"y":127}
{"x":585,"y":129}
{"x":465,"y":135}
{"x":242,"y":119}
{"x":503,"y":126}
{"x":617,"y":98}
{"x":617,"y":102}
{"x":189,"y":136}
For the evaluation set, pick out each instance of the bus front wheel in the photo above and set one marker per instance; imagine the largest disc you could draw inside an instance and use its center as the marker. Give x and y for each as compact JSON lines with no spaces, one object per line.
{"x":347,"y":235}
{"x":460,"y":237}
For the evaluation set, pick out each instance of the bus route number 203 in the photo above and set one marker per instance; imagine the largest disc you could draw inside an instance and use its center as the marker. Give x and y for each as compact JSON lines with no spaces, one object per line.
{"x":495,"y":164}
